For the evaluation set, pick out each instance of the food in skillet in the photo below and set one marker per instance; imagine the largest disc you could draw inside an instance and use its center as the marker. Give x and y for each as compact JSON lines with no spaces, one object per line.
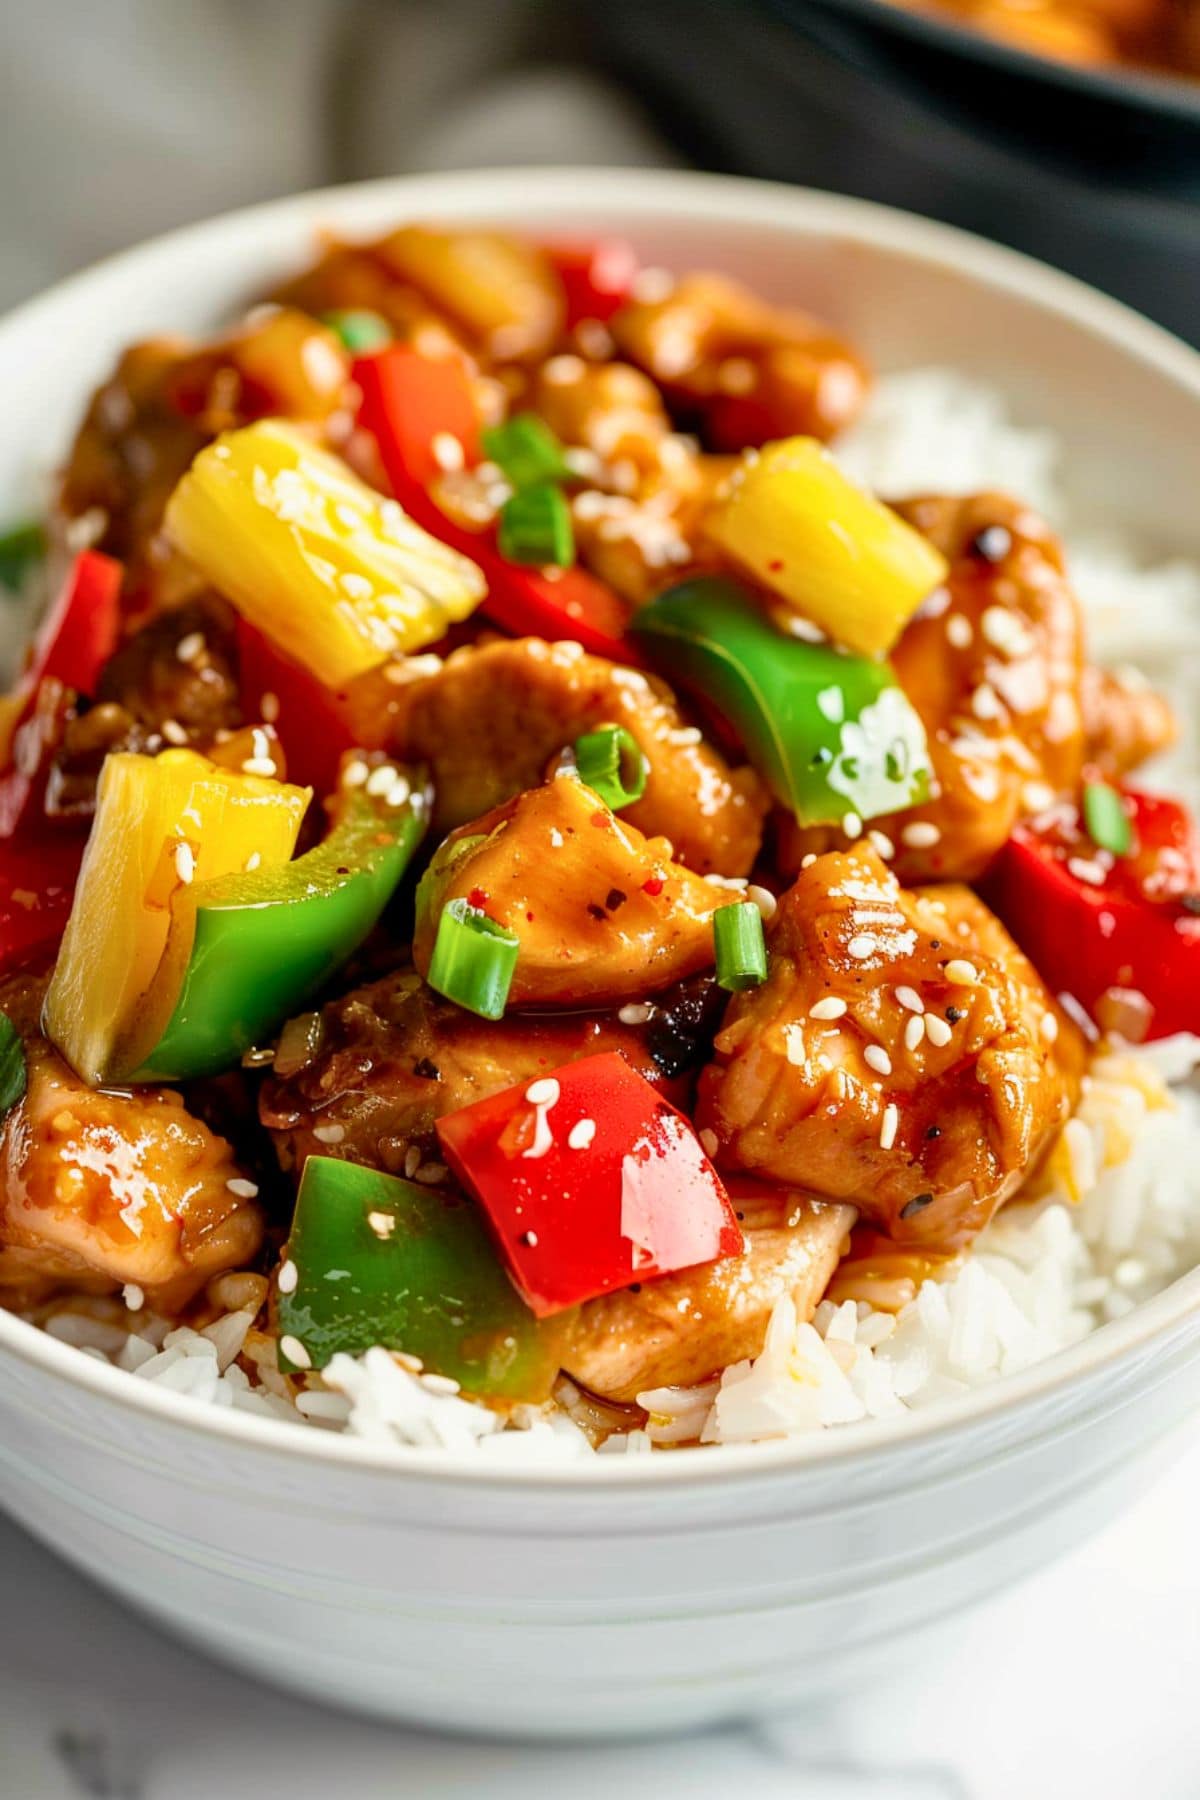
{"x":1160,"y":35}
{"x":512,"y":863}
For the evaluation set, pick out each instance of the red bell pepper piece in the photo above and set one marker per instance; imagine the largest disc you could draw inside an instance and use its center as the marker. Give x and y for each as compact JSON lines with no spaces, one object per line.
{"x":79,"y":633}
{"x":37,"y":882}
{"x":1137,"y":927}
{"x":312,"y":721}
{"x":596,"y":278}
{"x":590,"y":1181}
{"x":408,"y":400}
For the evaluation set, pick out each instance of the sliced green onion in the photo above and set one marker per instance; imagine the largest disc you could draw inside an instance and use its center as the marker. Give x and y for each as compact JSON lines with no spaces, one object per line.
{"x":359,"y":329}
{"x":740,"y":946}
{"x":612,"y":763}
{"x":473,"y":960}
{"x":535,"y":527}
{"x":12,"y":1065}
{"x":1106,"y":819}
{"x":526,"y":450}
{"x":21,"y":549}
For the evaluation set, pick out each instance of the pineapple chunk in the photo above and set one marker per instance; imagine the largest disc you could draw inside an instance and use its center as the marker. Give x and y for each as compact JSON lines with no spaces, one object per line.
{"x":825,"y":548}
{"x":332,"y":572}
{"x":163,"y":825}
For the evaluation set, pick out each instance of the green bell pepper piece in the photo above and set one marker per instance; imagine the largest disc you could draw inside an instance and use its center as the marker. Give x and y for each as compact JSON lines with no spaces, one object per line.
{"x":830,"y":733}
{"x":21,"y":549}
{"x":267,"y":939}
{"x":379,"y":1260}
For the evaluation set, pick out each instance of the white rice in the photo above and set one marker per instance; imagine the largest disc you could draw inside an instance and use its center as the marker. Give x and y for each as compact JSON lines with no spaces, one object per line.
{"x":1117,"y":1217}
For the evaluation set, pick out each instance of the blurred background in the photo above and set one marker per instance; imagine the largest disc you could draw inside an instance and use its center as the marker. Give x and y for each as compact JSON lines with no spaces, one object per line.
{"x":1069,"y":128}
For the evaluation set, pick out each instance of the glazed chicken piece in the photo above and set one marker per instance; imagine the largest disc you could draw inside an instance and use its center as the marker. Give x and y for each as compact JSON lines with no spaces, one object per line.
{"x":489,"y":722}
{"x":1125,"y":721}
{"x":683,"y":1328}
{"x":165,"y":400}
{"x":115,"y":1186}
{"x":746,"y":370}
{"x":994,"y":666}
{"x":392,"y":1057}
{"x":902,"y":1054}
{"x":601,"y":914}
{"x":638,"y":526}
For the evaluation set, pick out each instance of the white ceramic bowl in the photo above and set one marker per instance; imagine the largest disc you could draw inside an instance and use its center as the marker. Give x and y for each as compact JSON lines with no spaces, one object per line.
{"x":621,"y":1596}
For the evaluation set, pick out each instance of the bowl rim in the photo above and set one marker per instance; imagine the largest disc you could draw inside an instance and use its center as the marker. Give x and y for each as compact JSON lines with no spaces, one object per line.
{"x":551,"y":196}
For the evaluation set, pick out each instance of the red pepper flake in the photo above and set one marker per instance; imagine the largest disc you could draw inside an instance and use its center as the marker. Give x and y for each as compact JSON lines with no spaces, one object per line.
{"x":654,"y":886}
{"x":529,"y":916}
{"x":775,"y":565}
{"x":478,"y":899}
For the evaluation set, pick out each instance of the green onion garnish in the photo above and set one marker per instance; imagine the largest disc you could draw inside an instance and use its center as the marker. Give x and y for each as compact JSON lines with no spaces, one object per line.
{"x":473,"y":960}
{"x":1106,"y":819}
{"x":740,"y":946}
{"x":359,"y":329}
{"x":12,"y":1065}
{"x":612,"y":763}
{"x":535,"y":527}
{"x":525,"y":450}
{"x":21,"y":549}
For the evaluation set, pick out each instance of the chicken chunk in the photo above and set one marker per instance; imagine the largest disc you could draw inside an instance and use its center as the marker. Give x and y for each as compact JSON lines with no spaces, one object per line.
{"x":394,"y":1056}
{"x":685,"y":1327}
{"x":125,"y":1186}
{"x":488,"y":723}
{"x":1125,"y":721}
{"x":602,"y":915}
{"x":164,"y":401}
{"x":748,"y":371}
{"x":902,"y":1055}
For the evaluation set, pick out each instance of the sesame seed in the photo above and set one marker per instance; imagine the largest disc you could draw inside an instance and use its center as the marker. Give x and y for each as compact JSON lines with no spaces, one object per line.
{"x":447,"y":450}
{"x":1088,"y":870}
{"x":190,"y":647}
{"x":922,"y":834}
{"x":710,"y":1143}
{"x":412,"y":1161}
{"x":430,"y":1173}
{"x":877,"y":1058}
{"x":289,"y":1275}
{"x":862,"y":945}
{"x":245,"y":1190}
{"x":937,"y":1031}
{"x":830,"y":1008}
{"x":882,"y":845}
{"x":581,"y":1134}
{"x":544,"y":1092}
{"x":889,"y":1126}
{"x":354,"y":774}
{"x":252,"y":861}
{"x":185,"y":862}
{"x":381,"y":779}
{"x":1048,"y":1028}
{"x":806,"y":862}
{"x":133,"y":1296}
{"x":961,"y":973}
{"x":294,"y":1350}
{"x":173,"y":731}
{"x":636,"y":1013}
{"x":764,"y":899}
{"x":958,"y":630}
{"x":1036,"y":796}
{"x":914,"y":1031}
{"x":852,"y":825}
{"x":329,"y":1134}
{"x":985,"y":702}
{"x":259,"y":765}
{"x":268,"y":706}
{"x":355,"y":586}
{"x":383,"y":1224}
{"x":910,"y":1000}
